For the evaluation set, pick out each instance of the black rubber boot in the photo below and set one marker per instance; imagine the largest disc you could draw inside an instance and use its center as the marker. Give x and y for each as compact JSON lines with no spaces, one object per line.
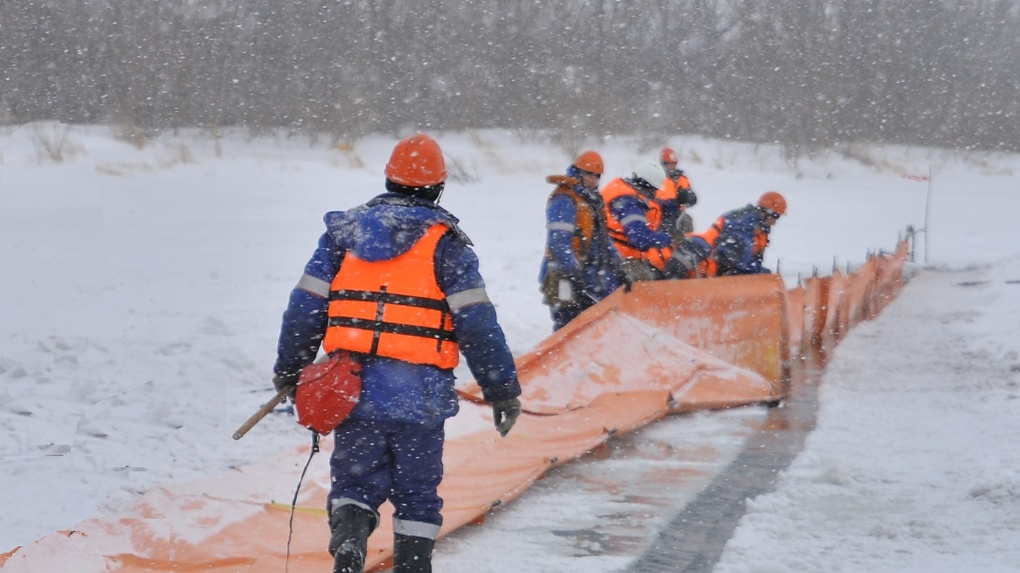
{"x":412,"y":554}
{"x":350,"y":527}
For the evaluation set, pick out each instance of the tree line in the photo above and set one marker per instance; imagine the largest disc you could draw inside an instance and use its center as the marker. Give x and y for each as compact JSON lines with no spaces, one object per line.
{"x":807,"y":74}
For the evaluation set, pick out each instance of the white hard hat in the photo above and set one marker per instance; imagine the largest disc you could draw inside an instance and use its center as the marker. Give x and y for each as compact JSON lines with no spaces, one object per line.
{"x":651,"y":172}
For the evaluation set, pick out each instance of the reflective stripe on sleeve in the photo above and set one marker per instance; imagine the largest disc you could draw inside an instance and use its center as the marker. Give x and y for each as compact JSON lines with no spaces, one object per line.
{"x":313,"y":285}
{"x":468,"y":297}
{"x":631,"y":218}
{"x":560,"y":226}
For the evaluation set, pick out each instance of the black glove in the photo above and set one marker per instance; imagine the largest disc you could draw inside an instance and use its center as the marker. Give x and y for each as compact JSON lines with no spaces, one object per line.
{"x":627,"y":283}
{"x":622,"y":277}
{"x":687,"y":197}
{"x":286,"y":384}
{"x":505,"y":413}
{"x":683,"y":261}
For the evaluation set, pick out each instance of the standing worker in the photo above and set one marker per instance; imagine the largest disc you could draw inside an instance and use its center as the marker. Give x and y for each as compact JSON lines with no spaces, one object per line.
{"x":394,"y":281}
{"x":675,"y":196}
{"x":581,"y":266}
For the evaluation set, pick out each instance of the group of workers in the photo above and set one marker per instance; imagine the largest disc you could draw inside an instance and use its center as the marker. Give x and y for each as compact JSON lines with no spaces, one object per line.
{"x":637,"y":228}
{"x":395,"y":284}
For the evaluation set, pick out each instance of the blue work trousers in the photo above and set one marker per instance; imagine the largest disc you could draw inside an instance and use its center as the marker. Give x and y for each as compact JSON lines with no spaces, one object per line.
{"x":403,"y":462}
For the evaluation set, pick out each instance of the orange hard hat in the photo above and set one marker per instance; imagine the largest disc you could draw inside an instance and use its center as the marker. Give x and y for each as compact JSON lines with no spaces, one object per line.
{"x":416,"y":161}
{"x":667,"y":155}
{"x":591,"y":162}
{"x":773,"y":201}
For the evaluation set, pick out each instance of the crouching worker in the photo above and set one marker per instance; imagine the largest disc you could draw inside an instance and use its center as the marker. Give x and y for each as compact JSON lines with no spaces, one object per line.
{"x":580,"y":266}
{"x":634,"y":217}
{"x":395,"y":282}
{"x":735,"y":244}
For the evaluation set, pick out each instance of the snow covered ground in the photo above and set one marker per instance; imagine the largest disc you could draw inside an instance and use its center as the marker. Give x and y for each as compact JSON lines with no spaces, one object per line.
{"x":142,"y":289}
{"x":914,"y":464}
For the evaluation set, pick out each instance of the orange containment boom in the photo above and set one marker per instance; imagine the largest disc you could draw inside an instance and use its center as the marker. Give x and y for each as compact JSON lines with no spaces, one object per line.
{"x":830,"y":306}
{"x":710,"y":343}
{"x":633,"y":358}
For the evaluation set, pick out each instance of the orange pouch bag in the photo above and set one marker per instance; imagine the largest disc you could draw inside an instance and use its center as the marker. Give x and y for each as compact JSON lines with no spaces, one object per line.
{"x":327,"y":392}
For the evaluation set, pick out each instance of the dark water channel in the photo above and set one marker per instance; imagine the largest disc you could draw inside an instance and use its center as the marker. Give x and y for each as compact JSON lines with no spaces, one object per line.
{"x":695,"y":537}
{"x":665,"y":498}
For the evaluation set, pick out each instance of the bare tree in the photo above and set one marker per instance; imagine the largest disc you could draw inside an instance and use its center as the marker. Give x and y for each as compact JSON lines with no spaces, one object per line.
{"x":805,"y":73}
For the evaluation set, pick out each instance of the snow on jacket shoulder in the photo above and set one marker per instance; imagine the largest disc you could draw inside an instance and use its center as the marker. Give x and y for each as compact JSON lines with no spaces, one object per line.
{"x":735,"y":247}
{"x":387,"y":226}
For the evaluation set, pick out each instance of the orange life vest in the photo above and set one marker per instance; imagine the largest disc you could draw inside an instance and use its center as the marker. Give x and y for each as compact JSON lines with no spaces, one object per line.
{"x":708,"y":267}
{"x":761,"y":240}
{"x":671,"y":187}
{"x":393,"y":308}
{"x":653,"y":213}
{"x":584,"y":226}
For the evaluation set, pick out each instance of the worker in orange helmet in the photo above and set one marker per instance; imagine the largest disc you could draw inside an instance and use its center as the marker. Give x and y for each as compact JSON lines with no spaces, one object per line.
{"x":735,"y":244}
{"x":395,"y":283}
{"x":580,"y":266}
{"x":675,"y":197}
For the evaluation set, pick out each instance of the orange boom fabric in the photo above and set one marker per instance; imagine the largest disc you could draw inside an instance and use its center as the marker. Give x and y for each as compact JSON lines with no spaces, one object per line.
{"x":393,"y":308}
